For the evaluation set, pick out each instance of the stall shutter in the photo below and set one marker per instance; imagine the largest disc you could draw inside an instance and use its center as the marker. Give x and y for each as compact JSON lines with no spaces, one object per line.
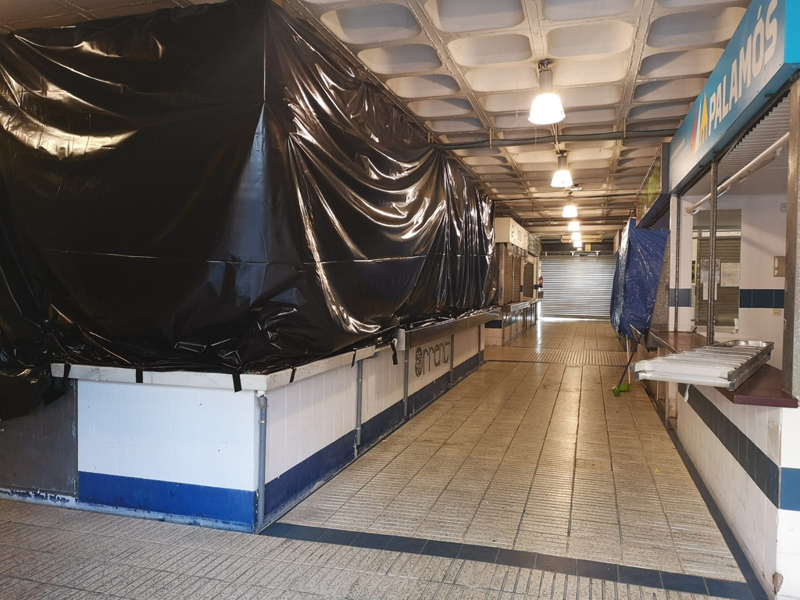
{"x":527,"y":280}
{"x":516,"y":295}
{"x":508,"y":276}
{"x":577,"y":286}
{"x":726,"y":307}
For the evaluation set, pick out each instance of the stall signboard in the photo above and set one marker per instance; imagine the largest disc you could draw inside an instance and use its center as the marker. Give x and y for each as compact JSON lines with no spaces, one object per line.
{"x":758,"y":60}
{"x":508,"y":231}
{"x":651,"y":189}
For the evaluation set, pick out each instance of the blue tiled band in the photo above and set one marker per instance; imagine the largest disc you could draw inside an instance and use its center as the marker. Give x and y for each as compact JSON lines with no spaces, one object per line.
{"x":684,"y":297}
{"x":790,"y":489}
{"x":677,"y":582}
{"x":232,"y":507}
{"x":759,"y":467}
{"x":761,"y":298}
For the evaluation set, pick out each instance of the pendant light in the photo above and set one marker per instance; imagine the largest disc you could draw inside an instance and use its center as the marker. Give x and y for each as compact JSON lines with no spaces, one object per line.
{"x":570,"y":211}
{"x":574,"y":226}
{"x":546,"y":108}
{"x":562,"y":178}
{"x":577,"y":244}
{"x":576,"y":237}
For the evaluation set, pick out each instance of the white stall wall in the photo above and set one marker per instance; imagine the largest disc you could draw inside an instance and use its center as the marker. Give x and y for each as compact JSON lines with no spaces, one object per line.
{"x":306,"y":416}
{"x":749,"y":513}
{"x":383,"y":384}
{"x":789,"y":520}
{"x":466,"y":344}
{"x":685,"y":313}
{"x":167,"y":433}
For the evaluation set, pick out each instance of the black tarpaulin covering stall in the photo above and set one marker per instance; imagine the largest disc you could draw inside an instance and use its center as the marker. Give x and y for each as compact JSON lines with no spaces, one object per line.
{"x":218,"y":188}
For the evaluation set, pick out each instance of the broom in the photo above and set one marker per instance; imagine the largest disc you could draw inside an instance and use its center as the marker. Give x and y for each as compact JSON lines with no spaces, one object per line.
{"x":624,"y":387}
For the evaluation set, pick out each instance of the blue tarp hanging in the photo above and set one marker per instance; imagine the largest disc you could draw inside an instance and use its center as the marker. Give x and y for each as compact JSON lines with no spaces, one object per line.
{"x":639,"y":262}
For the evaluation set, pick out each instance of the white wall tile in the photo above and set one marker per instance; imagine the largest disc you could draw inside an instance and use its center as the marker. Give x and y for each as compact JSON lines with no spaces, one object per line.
{"x":168,"y":433}
{"x":751,"y":516}
{"x":466,"y":345}
{"x":790,"y":438}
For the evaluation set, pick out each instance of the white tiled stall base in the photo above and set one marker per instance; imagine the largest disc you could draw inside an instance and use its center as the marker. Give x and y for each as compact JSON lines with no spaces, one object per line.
{"x":191,"y":453}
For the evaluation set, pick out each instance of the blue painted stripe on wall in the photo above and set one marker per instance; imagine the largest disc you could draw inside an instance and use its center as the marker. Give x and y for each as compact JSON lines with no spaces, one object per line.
{"x":684,"y":297}
{"x":761,"y":298}
{"x":185,"y":499}
{"x":790,"y":489}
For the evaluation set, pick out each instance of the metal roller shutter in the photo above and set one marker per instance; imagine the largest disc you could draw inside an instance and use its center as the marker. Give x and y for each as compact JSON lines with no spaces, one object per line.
{"x":515,"y":294}
{"x":726,"y":307}
{"x":577,"y":286}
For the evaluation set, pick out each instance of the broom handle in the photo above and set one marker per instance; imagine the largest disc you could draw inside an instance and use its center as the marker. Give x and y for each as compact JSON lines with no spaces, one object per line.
{"x":628,"y":352}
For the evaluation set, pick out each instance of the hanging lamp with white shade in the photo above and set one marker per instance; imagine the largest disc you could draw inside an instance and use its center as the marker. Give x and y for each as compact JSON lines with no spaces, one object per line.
{"x":562,"y":178}
{"x":547,"y":108}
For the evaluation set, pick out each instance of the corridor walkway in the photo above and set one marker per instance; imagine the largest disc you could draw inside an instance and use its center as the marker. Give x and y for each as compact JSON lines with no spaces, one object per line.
{"x":526,"y":480}
{"x":539,"y":457}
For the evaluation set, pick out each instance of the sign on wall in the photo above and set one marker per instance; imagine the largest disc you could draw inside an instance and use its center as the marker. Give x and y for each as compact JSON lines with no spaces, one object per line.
{"x":756,"y":62}
{"x":431,"y":356}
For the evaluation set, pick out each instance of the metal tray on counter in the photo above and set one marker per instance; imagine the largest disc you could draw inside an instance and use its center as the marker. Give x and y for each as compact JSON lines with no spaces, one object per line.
{"x":726,"y":364}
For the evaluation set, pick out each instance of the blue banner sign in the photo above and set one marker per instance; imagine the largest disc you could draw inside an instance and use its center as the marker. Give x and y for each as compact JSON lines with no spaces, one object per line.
{"x":757,"y":61}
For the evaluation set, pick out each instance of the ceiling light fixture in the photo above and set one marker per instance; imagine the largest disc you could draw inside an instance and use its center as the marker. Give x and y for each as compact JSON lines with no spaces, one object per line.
{"x":563,"y":178}
{"x":577,"y":244}
{"x":546,"y":108}
{"x":576,"y":237}
{"x":574,"y":226}
{"x":570,"y":211}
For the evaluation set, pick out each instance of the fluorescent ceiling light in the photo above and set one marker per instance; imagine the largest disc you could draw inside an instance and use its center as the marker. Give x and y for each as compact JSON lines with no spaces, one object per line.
{"x":574,"y":226}
{"x":546,"y":108}
{"x":570,"y":211}
{"x":563,"y":178}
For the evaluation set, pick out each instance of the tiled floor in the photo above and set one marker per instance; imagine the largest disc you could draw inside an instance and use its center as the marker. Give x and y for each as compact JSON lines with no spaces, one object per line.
{"x":536,"y":457}
{"x":519,"y":455}
{"x":49,"y":553}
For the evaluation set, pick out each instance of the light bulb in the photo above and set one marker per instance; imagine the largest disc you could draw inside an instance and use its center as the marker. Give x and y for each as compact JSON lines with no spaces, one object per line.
{"x":570,"y":211}
{"x":576,"y":237}
{"x":562,"y":178}
{"x":546,"y":108}
{"x":574,"y":226}
{"x":577,"y":244}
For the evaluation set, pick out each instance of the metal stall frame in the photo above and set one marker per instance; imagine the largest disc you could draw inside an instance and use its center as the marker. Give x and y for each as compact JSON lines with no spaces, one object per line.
{"x":787,"y":91}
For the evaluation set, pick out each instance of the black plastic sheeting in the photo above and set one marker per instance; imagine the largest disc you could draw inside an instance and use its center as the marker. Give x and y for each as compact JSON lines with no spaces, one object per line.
{"x":639,"y":263}
{"x":218,"y":188}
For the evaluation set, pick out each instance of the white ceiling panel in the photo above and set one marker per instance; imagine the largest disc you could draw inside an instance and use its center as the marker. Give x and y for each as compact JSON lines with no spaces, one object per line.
{"x":458,"y":16}
{"x":449,"y":107}
{"x":395,"y":60}
{"x":375,"y":23}
{"x":491,"y":49}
